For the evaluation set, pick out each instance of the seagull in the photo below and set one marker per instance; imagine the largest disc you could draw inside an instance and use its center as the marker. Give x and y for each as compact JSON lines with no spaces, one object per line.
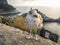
{"x":34,"y":21}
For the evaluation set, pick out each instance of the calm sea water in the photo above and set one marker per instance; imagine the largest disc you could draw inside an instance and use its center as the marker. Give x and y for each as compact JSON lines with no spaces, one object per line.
{"x":53,"y":26}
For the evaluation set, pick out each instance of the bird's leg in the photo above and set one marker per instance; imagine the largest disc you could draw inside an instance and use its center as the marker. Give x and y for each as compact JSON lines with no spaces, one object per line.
{"x":36,"y":36}
{"x":29,"y":36}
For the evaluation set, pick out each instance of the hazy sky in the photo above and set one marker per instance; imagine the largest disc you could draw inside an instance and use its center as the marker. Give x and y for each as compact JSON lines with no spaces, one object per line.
{"x":52,"y":3}
{"x":50,"y":7}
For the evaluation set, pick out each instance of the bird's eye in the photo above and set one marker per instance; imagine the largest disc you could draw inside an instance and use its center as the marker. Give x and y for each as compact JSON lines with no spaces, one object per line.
{"x":36,"y":16}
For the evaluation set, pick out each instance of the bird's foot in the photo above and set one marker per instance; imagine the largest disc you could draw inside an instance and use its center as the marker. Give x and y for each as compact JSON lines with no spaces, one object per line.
{"x":30,"y":36}
{"x":36,"y":37}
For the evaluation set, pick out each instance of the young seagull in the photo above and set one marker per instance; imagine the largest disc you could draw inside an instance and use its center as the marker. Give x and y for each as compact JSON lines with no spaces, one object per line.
{"x":34,"y":21}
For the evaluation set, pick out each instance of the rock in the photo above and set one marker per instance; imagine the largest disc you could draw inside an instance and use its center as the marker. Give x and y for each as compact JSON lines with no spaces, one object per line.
{"x":14,"y":36}
{"x":2,"y":40}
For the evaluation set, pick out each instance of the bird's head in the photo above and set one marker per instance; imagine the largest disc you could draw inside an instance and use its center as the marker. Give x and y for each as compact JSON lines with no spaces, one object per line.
{"x":33,"y":13}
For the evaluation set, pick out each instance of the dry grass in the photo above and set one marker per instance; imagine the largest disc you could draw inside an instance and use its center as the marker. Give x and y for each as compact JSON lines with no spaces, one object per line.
{"x":19,"y":23}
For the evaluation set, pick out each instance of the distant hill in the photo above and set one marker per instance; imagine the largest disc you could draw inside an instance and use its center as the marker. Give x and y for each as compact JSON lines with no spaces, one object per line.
{"x":58,"y":19}
{"x":3,"y":1}
{"x":5,"y":6}
{"x":46,"y":18}
{"x":7,"y":9}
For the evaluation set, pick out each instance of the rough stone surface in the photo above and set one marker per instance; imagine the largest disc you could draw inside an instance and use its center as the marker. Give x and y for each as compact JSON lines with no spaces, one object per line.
{"x":12,"y":36}
{"x":2,"y":40}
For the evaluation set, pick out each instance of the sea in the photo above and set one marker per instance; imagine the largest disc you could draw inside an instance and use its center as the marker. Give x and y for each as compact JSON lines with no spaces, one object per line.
{"x":50,"y":26}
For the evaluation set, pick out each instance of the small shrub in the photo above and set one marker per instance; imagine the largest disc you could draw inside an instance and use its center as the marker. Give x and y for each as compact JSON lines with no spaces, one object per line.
{"x":4,"y":20}
{"x":33,"y":31}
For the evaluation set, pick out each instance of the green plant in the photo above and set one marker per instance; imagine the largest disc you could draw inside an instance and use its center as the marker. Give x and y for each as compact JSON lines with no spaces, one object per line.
{"x":4,"y":20}
{"x":33,"y":31}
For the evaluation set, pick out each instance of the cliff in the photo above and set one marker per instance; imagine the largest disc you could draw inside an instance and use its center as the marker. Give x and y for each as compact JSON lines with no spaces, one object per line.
{"x":3,"y":1}
{"x":7,"y":9}
{"x":13,"y":36}
{"x":5,"y":6}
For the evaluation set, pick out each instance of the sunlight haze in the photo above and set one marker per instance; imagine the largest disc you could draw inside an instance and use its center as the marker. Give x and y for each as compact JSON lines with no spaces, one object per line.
{"x":52,"y":3}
